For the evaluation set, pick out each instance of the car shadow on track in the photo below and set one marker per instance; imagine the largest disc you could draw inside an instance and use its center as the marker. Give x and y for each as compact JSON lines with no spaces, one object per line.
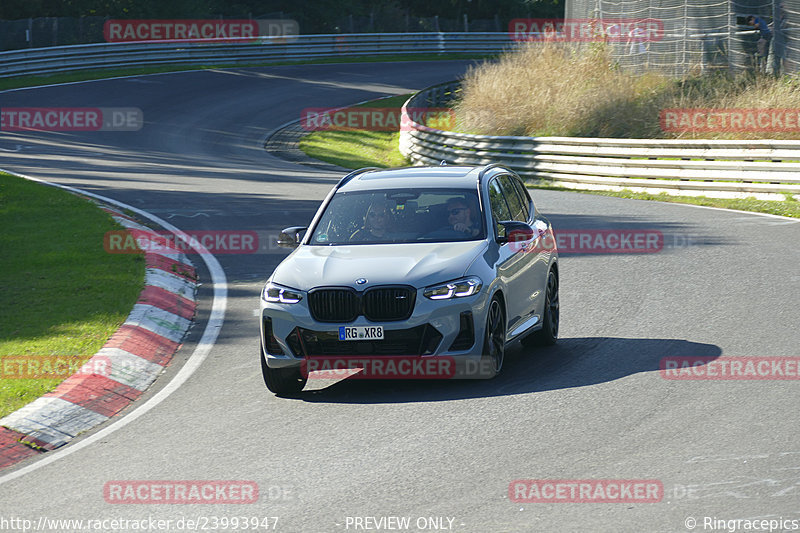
{"x":573,"y":362}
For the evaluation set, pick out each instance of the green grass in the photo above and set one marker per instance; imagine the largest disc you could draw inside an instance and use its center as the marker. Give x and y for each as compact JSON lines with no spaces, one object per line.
{"x":788,"y":208}
{"x":95,"y":74}
{"x":60,"y":293}
{"x":356,"y":149}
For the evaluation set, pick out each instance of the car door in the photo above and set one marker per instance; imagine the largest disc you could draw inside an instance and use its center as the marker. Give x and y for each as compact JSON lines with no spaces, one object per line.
{"x":511,"y":261}
{"x":534,"y":260}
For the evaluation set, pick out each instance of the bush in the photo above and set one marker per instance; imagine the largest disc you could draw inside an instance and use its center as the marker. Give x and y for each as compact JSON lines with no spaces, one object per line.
{"x":553,"y":90}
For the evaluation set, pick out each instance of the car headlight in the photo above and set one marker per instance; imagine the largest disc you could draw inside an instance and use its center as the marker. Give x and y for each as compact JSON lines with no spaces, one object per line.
{"x":278,"y":294}
{"x":454,"y":289}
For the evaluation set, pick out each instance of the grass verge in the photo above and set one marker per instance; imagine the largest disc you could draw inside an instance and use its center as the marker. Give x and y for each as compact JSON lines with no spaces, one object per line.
{"x":788,"y":208}
{"x":96,"y":74}
{"x":61,"y":293}
{"x":359,"y":148}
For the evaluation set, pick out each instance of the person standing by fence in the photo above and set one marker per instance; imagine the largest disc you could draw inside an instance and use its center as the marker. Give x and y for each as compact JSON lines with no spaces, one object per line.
{"x":762,"y":46}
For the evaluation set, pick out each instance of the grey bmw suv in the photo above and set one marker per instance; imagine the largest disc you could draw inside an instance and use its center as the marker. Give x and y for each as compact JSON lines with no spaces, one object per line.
{"x":429,"y":264}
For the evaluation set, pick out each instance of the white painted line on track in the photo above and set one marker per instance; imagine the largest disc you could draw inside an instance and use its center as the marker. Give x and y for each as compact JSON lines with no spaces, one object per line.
{"x":768,"y":215}
{"x":61,"y":84}
{"x":201,"y":351}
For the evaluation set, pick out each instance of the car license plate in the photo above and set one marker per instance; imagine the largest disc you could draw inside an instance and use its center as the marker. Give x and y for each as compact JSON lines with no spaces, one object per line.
{"x":360,"y":333}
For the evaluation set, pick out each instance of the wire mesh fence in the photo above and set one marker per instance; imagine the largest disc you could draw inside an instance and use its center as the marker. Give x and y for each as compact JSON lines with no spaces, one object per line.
{"x":704,"y":35}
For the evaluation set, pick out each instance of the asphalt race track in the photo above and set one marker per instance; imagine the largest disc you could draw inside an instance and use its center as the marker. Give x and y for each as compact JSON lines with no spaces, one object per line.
{"x":595,"y":407}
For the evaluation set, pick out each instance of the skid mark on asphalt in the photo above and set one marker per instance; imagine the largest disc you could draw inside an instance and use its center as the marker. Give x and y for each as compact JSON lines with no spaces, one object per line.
{"x":741,"y":477}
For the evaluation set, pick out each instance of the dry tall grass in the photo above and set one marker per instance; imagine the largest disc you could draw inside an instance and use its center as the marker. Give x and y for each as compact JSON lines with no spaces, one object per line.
{"x":551,"y":90}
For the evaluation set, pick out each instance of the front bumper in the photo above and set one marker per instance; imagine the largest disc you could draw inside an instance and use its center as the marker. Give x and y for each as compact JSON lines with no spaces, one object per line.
{"x":289,"y":334}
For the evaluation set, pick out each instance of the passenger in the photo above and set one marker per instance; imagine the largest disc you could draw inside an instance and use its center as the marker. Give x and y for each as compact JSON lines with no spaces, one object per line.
{"x":461,"y":218}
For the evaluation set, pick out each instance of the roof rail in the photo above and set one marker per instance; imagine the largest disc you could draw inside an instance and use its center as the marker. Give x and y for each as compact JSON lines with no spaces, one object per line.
{"x":353,"y":174}
{"x":487,"y":168}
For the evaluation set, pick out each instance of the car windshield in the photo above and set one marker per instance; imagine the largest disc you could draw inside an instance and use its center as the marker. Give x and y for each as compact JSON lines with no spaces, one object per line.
{"x":400,"y":216}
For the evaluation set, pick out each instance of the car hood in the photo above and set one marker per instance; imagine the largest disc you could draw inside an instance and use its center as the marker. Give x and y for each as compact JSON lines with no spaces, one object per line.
{"x":416,"y":264}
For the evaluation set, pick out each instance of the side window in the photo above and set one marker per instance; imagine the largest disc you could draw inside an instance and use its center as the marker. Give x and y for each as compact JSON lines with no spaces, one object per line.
{"x":518,"y":209}
{"x":526,"y":198}
{"x":500,"y":209}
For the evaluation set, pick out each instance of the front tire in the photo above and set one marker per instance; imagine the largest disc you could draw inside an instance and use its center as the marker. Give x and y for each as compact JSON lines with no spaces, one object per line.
{"x":548,"y":335}
{"x":281,"y":381}
{"x":494,"y":337}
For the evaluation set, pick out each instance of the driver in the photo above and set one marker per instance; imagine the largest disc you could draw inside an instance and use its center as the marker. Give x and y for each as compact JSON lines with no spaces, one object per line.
{"x":376,"y":224}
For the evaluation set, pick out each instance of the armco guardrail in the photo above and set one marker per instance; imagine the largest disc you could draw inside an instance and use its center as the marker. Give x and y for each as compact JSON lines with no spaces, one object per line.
{"x":689,"y":166}
{"x":232,"y":51}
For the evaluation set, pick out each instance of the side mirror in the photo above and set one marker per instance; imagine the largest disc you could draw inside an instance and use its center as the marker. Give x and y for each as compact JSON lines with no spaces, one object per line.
{"x":515,"y":232}
{"x":290,"y":237}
